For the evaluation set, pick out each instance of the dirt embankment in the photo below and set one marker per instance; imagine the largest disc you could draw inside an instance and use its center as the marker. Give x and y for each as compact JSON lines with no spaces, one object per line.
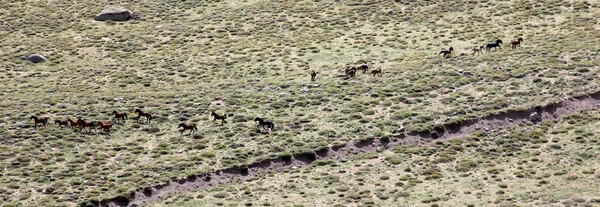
{"x":496,"y":122}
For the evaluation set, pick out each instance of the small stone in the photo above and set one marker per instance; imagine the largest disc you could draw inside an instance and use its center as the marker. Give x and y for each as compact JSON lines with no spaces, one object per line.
{"x":467,"y":73}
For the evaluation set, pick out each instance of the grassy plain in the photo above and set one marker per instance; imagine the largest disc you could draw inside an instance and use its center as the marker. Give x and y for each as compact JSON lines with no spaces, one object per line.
{"x":554,"y":164}
{"x":185,"y":59}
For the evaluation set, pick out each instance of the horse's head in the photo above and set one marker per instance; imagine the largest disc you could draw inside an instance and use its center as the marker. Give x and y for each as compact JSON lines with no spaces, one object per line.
{"x":181,"y":125}
{"x":499,"y":41}
{"x":520,"y":39}
{"x":451,"y":49}
{"x":137,"y":111}
{"x":56,"y":121}
{"x":114,"y":112}
{"x":257,"y":119}
{"x":33,"y":117}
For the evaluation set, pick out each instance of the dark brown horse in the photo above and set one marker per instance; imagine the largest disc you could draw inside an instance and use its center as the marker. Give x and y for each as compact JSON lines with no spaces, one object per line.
{"x":119,"y":115}
{"x":144,"y":114}
{"x":478,"y":50}
{"x":313,"y":75}
{"x":72,"y":122}
{"x":219,"y":117}
{"x":447,"y":53}
{"x":350,"y":72}
{"x":84,"y":124}
{"x":376,"y":72}
{"x":61,"y":123}
{"x":364,"y":67}
{"x":104,"y":126}
{"x":516,"y":43}
{"x":498,"y":43}
{"x":191,"y":127}
{"x":37,"y":120}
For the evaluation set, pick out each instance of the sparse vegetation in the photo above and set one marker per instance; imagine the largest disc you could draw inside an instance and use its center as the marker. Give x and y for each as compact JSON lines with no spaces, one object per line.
{"x":185,"y":59}
{"x":478,"y":178}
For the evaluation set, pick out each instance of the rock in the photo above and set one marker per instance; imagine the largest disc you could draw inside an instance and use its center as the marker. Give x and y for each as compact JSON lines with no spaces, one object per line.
{"x":390,"y":11}
{"x":535,"y":117}
{"x":467,"y":73}
{"x":35,"y":58}
{"x":460,"y":70}
{"x":305,"y":90}
{"x":314,"y":86}
{"x":114,"y":13}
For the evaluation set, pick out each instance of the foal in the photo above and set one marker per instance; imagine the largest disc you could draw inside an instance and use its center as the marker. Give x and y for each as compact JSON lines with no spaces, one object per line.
{"x":222,"y":118}
{"x":144,"y":114}
{"x":105,"y":126}
{"x":516,"y":43}
{"x":191,"y":127}
{"x":447,"y":53}
{"x":478,"y":50}
{"x":119,"y":115}
{"x":313,"y":75}
{"x":37,"y":120}
{"x":61,"y":123}
{"x":376,"y":72}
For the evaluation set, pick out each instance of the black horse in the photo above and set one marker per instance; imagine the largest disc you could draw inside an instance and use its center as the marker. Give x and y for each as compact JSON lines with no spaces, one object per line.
{"x":264,"y":124}
{"x":492,"y":45}
{"x":364,"y":67}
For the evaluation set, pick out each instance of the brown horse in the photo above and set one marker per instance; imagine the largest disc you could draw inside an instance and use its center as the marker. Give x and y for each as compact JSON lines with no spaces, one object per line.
{"x":478,"y":50}
{"x":72,"y":122}
{"x":516,"y":43}
{"x":119,"y":115}
{"x":350,"y":72}
{"x":61,"y":123}
{"x":144,"y":114}
{"x":313,"y":75}
{"x":84,"y":124}
{"x":37,"y":120}
{"x":191,"y":127}
{"x":104,"y":126}
{"x":447,"y":53}
{"x":376,"y":72}
{"x":219,"y":117}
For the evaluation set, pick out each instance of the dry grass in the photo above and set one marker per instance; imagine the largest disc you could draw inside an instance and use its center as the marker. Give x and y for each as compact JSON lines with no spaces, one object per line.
{"x":255,"y":56}
{"x":553,"y":164}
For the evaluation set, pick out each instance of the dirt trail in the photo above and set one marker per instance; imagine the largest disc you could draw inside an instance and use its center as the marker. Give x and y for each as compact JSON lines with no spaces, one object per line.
{"x":496,"y":122}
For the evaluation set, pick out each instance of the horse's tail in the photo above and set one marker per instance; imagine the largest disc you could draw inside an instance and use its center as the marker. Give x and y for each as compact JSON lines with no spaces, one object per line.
{"x":125,"y":115}
{"x":272,"y":125}
{"x":195,"y":128}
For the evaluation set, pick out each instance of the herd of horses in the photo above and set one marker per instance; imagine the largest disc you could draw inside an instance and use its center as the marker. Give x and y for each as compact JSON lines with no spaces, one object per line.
{"x":351,"y":72}
{"x":120,"y":117}
{"x":488,"y":47}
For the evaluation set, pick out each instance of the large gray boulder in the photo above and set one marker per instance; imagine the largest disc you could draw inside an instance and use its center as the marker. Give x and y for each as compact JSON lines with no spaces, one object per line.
{"x":113,"y":13}
{"x":35,"y":58}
